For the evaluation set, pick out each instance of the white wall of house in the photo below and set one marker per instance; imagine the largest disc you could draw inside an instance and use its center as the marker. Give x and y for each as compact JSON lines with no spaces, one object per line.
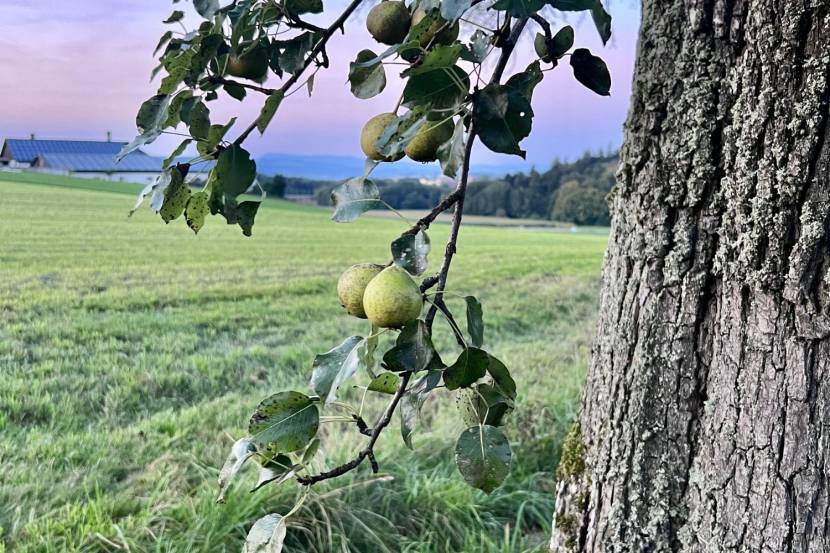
{"x":137,"y":177}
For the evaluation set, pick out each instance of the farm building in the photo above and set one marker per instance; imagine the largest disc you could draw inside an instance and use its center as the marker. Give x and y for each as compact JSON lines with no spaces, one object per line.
{"x":86,"y":159}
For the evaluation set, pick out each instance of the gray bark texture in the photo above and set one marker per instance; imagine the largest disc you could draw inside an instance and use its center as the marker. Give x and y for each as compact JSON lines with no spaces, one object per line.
{"x":705,"y":423}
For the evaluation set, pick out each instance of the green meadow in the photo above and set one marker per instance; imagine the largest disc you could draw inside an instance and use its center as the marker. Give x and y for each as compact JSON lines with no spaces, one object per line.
{"x":132,"y":354}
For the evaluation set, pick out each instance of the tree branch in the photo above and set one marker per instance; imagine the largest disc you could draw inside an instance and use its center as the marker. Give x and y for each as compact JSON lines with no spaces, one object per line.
{"x":457,"y":199}
{"x":318,"y":49}
{"x":369,"y":450}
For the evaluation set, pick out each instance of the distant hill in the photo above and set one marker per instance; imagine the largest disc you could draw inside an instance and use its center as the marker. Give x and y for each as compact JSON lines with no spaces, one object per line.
{"x":322,"y":167}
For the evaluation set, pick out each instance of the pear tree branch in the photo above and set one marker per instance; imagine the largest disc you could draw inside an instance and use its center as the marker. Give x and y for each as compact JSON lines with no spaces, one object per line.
{"x":456,"y":198}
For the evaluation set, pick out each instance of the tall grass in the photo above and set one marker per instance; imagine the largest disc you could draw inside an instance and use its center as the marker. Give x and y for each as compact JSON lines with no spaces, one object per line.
{"x":132,"y":354}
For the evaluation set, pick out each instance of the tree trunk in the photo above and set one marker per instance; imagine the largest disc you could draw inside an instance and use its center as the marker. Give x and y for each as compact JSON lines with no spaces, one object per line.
{"x":705,"y":423}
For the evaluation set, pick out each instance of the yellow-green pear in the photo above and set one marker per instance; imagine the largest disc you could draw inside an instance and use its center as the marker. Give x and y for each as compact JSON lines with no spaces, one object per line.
{"x":388,"y":22}
{"x":372,"y":130}
{"x":352,"y":285}
{"x":251,"y":65}
{"x":392,"y":298}
{"x":446,"y":36}
{"x":424,"y":145}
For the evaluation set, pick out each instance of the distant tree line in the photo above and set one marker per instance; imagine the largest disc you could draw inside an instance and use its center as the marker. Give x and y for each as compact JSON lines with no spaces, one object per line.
{"x":571,"y":192}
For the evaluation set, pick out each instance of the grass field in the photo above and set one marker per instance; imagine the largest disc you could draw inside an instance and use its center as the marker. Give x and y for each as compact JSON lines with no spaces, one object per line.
{"x":132,"y":354}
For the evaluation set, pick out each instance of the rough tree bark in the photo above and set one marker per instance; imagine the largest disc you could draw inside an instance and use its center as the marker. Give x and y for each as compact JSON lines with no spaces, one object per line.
{"x":705,"y":423}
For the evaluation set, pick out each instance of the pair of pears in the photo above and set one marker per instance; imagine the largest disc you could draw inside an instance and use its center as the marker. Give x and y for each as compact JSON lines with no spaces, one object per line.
{"x":387,"y":296}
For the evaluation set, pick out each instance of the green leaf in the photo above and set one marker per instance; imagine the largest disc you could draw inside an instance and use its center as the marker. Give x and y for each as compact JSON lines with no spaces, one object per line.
{"x":299,"y":7}
{"x":475,"y":321}
{"x":525,"y":82}
{"x":235,"y":91}
{"x":334,"y":367}
{"x":478,"y":48}
{"x":267,"y":535}
{"x":399,"y":133}
{"x":413,"y":350}
{"x":149,"y":122}
{"x":502,"y":380}
{"x":268,"y":110}
{"x":246,"y":213}
{"x":442,"y":88}
{"x":284,"y":422}
{"x":177,"y":107}
{"x":176,"y":197}
{"x":277,"y":469}
{"x":199,"y":121}
{"x":519,"y":8}
{"x":483,"y":404}
{"x":483,"y":456}
{"x":503,"y":117}
{"x":412,"y":402}
{"x":165,"y":38}
{"x":216,"y":133}
{"x":295,"y":52}
{"x":196,"y":211}
{"x":367,"y":351}
{"x":206,"y":8}
{"x":385,"y":383}
{"x":176,"y":153}
{"x":311,"y":450}
{"x":353,"y":198}
{"x":175,"y":17}
{"x":451,"y":152}
{"x":241,"y":451}
{"x":235,"y":170}
{"x":562,"y":41}
{"x":591,"y":71}
{"x":469,"y":367}
{"x":451,"y":10}
{"x":410,"y":251}
{"x":440,"y":58}
{"x":602,"y":21}
{"x":366,"y":80}
{"x":572,"y":5}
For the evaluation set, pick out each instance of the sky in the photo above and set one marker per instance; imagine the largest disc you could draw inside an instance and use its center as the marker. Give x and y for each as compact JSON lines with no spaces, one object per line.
{"x":79,"y":69}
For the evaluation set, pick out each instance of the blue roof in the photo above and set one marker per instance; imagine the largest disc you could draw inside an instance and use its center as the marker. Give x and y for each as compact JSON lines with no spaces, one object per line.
{"x":26,"y":151}
{"x":133,"y":162}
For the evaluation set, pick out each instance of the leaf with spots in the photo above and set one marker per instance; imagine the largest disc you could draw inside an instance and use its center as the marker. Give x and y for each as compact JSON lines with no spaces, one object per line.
{"x":483,"y":456}
{"x":410,"y":251}
{"x":245,"y":215}
{"x":366,"y":81}
{"x":176,"y":197}
{"x":196,"y":211}
{"x":385,"y":383}
{"x":412,"y":402}
{"x":353,"y":198}
{"x":284,"y":422}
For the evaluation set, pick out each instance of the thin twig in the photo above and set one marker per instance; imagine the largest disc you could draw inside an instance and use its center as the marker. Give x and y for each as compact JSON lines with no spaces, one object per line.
{"x":223,"y":81}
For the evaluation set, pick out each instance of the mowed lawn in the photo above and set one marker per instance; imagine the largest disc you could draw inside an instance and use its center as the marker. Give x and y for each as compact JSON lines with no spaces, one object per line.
{"x":132,"y":354}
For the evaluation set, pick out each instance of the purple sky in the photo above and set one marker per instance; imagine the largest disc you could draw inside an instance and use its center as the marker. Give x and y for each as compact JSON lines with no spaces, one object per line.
{"x":77,"y":69}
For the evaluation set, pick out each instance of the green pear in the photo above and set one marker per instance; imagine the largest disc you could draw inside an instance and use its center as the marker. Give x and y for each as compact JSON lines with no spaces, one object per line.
{"x":388,"y":22}
{"x":392,"y":298}
{"x":251,"y":65}
{"x":352,"y":284}
{"x":424,"y":145}
{"x":444,"y":37}
{"x":372,"y":130}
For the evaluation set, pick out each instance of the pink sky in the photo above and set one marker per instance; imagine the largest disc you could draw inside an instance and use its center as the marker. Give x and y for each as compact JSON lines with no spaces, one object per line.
{"x":78,"y":69}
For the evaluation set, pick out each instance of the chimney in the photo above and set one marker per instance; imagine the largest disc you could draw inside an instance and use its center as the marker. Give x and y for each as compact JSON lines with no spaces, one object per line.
{"x":32,"y":136}
{"x":109,"y":136}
